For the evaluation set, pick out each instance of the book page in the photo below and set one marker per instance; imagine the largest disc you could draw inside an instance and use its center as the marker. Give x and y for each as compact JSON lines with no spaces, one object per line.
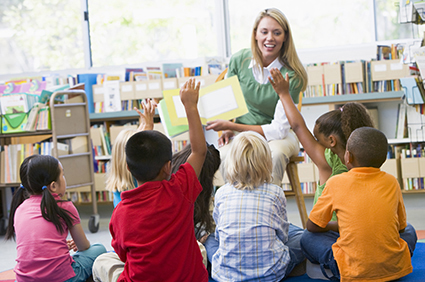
{"x":218,"y":102}
{"x":180,"y":111}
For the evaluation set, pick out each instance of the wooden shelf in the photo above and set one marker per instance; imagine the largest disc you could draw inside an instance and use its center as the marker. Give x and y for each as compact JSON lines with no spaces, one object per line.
{"x":112,"y":116}
{"x":361,"y":98}
{"x":416,"y":191}
{"x":29,"y":133}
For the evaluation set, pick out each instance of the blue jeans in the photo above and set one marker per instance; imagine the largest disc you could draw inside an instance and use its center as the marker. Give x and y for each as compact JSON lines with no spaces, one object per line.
{"x":294,"y":238}
{"x":83,"y":262}
{"x":317,"y":248}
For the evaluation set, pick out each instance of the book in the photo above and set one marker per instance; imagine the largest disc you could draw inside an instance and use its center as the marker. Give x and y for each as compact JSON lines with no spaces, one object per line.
{"x":170,"y":69}
{"x":169,"y":129}
{"x":111,"y":95}
{"x":221,"y":100}
{"x":88,"y":79}
{"x":401,"y":122}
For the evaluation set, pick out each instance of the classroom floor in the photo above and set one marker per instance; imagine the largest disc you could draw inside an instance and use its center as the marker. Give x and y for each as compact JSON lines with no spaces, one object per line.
{"x":415,"y":209}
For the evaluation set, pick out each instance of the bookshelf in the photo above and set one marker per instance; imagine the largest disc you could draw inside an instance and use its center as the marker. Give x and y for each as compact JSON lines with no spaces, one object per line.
{"x":69,"y":122}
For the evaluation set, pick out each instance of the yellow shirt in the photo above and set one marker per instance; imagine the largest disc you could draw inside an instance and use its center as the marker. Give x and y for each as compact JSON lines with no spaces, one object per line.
{"x":370,"y":211}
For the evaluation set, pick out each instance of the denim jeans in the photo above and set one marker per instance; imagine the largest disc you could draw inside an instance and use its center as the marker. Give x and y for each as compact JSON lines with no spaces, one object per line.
{"x":83,"y":262}
{"x":295,"y":252}
{"x":317,"y":248}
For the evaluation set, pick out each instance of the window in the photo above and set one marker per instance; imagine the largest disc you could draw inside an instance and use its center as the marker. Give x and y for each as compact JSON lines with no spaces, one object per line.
{"x":313,"y":23}
{"x":40,"y":35}
{"x":388,"y":26}
{"x":133,"y":31}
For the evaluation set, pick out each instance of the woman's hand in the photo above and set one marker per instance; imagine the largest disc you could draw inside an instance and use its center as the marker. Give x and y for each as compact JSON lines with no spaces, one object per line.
{"x":225,"y":138}
{"x":146,"y":118}
{"x":280,"y":84}
{"x":218,"y":124}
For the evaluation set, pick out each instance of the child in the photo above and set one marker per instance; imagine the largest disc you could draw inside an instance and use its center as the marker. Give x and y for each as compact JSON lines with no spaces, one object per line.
{"x":118,"y":177}
{"x":331,"y":131}
{"x":41,"y":223}
{"x":374,"y":238}
{"x":152,"y":227}
{"x":250,"y":216}
{"x":202,"y":216}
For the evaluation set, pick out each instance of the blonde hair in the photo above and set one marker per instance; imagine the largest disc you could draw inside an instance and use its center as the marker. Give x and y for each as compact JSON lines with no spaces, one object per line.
{"x":118,"y":177}
{"x":249,"y":161}
{"x":288,"y":55}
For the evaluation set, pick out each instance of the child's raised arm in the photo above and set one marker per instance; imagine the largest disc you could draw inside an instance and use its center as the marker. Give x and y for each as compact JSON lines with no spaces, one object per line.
{"x":146,"y":118}
{"x":189,"y":94}
{"x":314,"y":150}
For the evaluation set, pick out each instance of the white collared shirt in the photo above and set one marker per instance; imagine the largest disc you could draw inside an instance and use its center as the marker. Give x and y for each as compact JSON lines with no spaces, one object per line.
{"x":279,"y":127}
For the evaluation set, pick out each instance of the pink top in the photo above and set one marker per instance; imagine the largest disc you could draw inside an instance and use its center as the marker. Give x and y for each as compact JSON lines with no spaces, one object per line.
{"x":42,"y":252}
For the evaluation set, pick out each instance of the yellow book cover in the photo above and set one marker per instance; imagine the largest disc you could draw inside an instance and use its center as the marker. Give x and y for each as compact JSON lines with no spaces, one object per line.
{"x":221,"y":100}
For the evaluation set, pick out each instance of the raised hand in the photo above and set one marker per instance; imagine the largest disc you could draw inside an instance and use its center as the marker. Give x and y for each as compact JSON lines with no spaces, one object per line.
{"x":146,"y":118}
{"x":189,"y":92}
{"x":280,"y":84}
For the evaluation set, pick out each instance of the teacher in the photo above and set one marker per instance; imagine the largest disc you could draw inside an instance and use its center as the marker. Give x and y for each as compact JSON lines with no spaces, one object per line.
{"x":272,"y":46}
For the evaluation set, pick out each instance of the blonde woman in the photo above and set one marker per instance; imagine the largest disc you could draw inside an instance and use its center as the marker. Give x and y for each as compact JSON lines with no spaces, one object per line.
{"x":251,"y":219}
{"x":272,"y":46}
{"x":118,"y":177}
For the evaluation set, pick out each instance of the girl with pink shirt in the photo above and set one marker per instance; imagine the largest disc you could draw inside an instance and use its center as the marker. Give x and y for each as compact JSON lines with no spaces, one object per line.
{"x":40,"y":220}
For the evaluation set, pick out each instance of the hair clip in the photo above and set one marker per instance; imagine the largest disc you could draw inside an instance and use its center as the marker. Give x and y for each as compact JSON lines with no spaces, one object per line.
{"x":21,"y":186}
{"x":44,"y":187}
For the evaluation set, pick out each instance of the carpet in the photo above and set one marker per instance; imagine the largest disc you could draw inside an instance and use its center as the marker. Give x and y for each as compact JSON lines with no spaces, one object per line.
{"x":418,"y":274}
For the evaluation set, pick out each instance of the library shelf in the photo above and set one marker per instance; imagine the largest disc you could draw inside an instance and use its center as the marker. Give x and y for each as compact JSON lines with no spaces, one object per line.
{"x":360,"y":98}
{"x":113,"y":116}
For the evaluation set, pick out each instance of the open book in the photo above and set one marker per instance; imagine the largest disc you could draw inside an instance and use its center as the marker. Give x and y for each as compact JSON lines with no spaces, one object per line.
{"x":170,"y":130}
{"x":221,"y":100}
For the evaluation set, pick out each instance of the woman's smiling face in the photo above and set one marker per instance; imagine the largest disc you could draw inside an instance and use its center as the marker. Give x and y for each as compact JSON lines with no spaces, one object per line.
{"x":270,"y":37}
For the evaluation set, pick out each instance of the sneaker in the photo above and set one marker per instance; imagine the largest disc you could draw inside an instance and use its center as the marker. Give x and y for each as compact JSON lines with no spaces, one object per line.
{"x":315,"y":272}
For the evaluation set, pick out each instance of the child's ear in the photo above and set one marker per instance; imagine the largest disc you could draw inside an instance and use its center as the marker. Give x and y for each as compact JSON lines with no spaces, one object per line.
{"x":52,"y":187}
{"x":166,"y":170}
{"x":332,"y":141}
{"x":349,"y":158}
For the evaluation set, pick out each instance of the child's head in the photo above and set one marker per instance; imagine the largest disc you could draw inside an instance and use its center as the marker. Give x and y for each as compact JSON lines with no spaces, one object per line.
{"x":147,"y":153}
{"x":340,"y":123}
{"x":41,"y":175}
{"x":202,"y":216}
{"x":249,"y":161}
{"x":119,"y":178}
{"x":366,"y":147}
{"x":38,"y":171}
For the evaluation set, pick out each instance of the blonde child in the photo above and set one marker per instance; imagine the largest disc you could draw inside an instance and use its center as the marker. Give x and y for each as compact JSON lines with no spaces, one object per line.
{"x":152,"y":227}
{"x":331,"y":131}
{"x":119,"y":179}
{"x":251,"y":237}
{"x":41,"y":222}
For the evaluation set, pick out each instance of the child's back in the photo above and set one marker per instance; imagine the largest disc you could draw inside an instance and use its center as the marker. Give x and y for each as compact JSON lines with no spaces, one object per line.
{"x":250,"y":241}
{"x":153,"y":229}
{"x":41,"y":251}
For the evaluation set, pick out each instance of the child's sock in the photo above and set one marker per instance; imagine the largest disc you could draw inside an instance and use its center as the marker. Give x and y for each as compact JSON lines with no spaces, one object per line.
{"x":315,"y":272}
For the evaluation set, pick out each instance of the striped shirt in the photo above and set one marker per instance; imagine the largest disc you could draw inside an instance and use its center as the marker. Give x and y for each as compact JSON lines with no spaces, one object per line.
{"x":252,"y":228}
